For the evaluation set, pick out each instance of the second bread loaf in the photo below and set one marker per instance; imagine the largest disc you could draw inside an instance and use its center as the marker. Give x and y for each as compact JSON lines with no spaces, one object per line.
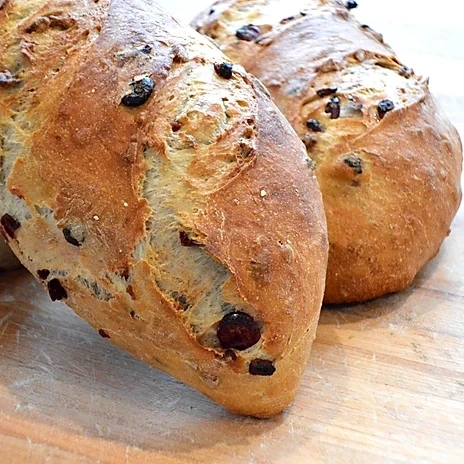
{"x":388,"y":160}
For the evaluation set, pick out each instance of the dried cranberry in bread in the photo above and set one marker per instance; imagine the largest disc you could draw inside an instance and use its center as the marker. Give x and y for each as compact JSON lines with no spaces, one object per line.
{"x":157,"y":190}
{"x":388,"y":161}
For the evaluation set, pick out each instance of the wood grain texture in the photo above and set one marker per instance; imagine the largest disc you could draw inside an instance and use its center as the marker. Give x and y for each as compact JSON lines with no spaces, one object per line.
{"x":385,"y":383}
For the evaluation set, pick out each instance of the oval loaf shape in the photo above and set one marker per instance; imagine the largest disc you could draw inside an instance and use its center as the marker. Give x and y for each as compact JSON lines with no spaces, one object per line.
{"x":155,"y":195}
{"x":388,"y":160}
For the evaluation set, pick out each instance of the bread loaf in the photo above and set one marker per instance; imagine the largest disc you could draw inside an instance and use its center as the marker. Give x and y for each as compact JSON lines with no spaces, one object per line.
{"x":153,"y":187}
{"x":388,"y":161}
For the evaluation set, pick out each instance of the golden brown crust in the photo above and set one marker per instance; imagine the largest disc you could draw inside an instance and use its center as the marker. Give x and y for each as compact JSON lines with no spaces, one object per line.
{"x":110,"y":190}
{"x":258,"y":268}
{"x":390,"y":181}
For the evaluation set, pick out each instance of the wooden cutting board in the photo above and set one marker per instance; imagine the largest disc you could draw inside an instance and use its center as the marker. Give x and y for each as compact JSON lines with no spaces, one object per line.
{"x":385,"y":383}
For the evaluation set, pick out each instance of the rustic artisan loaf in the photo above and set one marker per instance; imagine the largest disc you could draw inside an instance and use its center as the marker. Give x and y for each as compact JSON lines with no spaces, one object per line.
{"x":387,"y":159}
{"x":155,"y":188}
